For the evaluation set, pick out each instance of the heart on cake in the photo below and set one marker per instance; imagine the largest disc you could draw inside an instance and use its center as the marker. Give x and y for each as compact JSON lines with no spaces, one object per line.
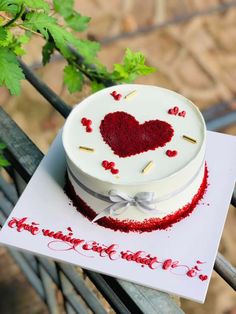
{"x":127,"y":137}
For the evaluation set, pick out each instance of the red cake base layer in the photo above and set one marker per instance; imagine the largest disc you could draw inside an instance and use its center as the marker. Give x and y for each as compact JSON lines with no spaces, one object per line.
{"x":147,"y":225}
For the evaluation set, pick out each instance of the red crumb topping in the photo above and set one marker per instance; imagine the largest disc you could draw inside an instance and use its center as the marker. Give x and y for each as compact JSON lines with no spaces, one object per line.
{"x":127,"y":137}
{"x":147,"y":225}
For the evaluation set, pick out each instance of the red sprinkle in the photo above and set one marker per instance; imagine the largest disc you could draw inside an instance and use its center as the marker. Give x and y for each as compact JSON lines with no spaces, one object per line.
{"x":174,"y":110}
{"x":89,"y":123}
{"x":114,"y":171}
{"x":167,"y":263}
{"x":112,"y":164}
{"x":84,"y":121}
{"x":114,"y":93}
{"x":117,"y":97}
{"x":171,"y":153}
{"x":182,"y":114}
{"x":105,"y":164}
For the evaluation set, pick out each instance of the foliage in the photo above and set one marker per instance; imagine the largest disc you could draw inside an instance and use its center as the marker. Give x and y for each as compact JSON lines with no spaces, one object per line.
{"x":40,"y":18}
{"x":3,"y":161}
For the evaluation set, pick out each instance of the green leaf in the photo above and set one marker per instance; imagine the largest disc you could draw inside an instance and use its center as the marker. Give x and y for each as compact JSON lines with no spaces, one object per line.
{"x":74,"y":19}
{"x":73,"y":78}
{"x":47,"y":51}
{"x":16,"y":45}
{"x":11,"y":73}
{"x":12,"y":6}
{"x":3,"y":34}
{"x":9,"y":6}
{"x":36,"y":4}
{"x":95,"y":86}
{"x":88,"y":49}
{"x":3,"y":161}
{"x":23,"y":39}
{"x":78,"y":22}
{"x":39,"y":22}
{"x":7,"y":41}
{"x":62,"y":39}
{"x":19,"y":51}
{"x":63,"y":7}
{"x":132,"y":67}
{"x":2,"y":146}
{"x":47,"y":25}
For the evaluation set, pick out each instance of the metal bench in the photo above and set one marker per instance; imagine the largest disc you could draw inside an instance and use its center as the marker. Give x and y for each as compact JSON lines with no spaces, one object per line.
{"x":47,"y":276}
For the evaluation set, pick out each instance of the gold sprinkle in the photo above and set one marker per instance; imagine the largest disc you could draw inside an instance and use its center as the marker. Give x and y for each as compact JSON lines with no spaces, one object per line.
{"x":131,"y":94}
{"x":148,"y":167}
{"x":190,"y":139}
{"x":117,"y":177}
{"x":86,"y":149}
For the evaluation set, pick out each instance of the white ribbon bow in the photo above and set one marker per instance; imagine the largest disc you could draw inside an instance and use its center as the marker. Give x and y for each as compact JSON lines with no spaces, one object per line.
{"x":122,"y":201}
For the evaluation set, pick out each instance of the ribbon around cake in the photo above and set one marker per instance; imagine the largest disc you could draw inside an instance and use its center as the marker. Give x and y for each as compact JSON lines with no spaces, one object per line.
{"x":121,"y":201}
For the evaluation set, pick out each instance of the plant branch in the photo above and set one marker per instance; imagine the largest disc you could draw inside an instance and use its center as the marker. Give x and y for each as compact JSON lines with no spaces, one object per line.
{"x":30,"y":30}
{"x":21,"y":26}
{"x":90,"y":70}
{"x":18,"y":15}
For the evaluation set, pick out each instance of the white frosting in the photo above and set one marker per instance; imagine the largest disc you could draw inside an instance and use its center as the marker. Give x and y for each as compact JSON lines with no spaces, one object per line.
{"x":167,"y":175}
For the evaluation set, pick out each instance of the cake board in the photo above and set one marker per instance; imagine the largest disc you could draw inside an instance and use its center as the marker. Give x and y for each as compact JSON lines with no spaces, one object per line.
{"x":178,"y":260}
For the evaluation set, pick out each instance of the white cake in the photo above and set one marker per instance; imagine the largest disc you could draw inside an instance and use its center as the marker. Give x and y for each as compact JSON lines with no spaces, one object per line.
{"x":152,"y":126}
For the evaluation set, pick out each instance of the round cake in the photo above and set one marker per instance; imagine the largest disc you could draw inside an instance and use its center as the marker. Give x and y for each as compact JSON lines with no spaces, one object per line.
{"x":135,"y":157}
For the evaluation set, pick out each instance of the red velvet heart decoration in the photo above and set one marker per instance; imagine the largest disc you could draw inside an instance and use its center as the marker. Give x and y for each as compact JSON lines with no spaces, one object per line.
{"x":127,"y":137}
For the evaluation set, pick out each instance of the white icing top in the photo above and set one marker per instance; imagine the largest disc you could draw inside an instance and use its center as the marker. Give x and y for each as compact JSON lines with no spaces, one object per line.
{"x":149,"y":103}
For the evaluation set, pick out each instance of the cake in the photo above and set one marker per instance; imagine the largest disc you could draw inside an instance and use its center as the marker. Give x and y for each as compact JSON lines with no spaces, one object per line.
{"x":135,"y":157}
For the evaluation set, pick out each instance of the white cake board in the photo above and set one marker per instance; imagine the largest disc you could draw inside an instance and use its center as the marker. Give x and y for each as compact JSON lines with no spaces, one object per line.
{"x":194,"y":238}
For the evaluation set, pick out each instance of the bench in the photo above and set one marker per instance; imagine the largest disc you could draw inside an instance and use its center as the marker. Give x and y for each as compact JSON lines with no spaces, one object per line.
{"x":43,"y":273}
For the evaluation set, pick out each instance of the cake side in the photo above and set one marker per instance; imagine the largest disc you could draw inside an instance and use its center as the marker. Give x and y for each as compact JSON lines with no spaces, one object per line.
{"x":164,"y":206}
{"x":90,"y":208}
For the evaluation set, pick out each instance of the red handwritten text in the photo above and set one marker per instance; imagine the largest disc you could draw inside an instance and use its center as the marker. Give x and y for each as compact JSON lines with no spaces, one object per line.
{"x":21,"y":225}
{"x":64,"y":241}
